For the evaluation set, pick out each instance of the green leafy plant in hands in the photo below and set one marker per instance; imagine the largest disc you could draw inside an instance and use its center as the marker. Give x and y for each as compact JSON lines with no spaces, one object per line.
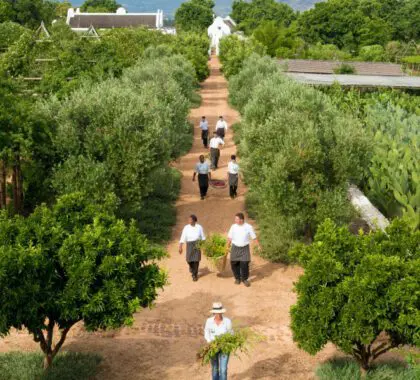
{"x":215,"y":246}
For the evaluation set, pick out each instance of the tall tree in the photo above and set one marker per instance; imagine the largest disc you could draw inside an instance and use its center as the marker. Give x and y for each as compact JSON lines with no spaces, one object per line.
{"x":27,"y":12}
{"x":194,"y":15}
{"x":73,"y":262}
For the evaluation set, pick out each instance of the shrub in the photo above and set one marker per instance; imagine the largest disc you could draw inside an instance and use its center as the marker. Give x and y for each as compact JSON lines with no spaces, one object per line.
{"x":345,"y":68}
{"x":373,"y":53}
{"x":298,"y":152}
{"x":362,"y":293}
{"x":235,"y":50}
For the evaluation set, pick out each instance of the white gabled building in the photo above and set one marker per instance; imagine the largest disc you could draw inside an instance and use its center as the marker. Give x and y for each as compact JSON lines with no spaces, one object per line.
{"x":82,"y":21}
{"x":220,"y":28}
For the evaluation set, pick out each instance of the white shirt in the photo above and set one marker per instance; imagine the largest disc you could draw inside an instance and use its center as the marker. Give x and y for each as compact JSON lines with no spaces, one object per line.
{"x":215,"y":142}
{"x":202,"y":168}
{"x":221,"y":124}
{"x":192,"y":233}
{"x":204,"y":125}
{"x":233,"y":168}
{"x":241,"y":235}
{"x":211,"y":330}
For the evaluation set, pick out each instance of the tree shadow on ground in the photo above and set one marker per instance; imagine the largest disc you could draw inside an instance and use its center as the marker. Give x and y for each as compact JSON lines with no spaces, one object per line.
{"x":268,"y":368}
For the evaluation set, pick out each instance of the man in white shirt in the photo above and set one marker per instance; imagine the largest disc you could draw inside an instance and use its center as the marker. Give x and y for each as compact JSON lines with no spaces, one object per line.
{"x":204,"y":126}
{"x":203,"y":170}
{"x":191,"y":235}
{"x":215,"y":143}
{"x":233,"y":176}
{"x":221,"y":127}
{"x":216,"y":326}
{"x":239,"y":238}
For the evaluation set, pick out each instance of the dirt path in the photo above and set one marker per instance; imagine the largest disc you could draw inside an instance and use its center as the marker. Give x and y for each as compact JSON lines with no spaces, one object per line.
{"x":163,"y":342}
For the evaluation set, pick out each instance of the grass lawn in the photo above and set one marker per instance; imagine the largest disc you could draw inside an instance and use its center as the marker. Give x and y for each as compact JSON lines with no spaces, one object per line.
{"x":66,"y":366}
{"x":348,"y":369}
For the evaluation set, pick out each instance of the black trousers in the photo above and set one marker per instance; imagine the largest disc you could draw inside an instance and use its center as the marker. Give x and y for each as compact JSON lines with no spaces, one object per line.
{"x":240,"y":269}
{"x":205,"y":138}
{"x":221,"y":133}
{"x":203,"y":183}
{"x":233,"y":191}
{"x":214,"y":154}
{"x":194,"y":268}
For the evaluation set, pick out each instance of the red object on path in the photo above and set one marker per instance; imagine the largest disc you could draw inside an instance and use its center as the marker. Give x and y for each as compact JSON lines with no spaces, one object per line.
{"x":218,"y":183}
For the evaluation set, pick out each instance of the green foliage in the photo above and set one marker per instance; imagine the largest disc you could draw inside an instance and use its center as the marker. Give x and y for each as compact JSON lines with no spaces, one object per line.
{"x":352,"y":24}
{"x":240,"y":341}
{"x":215,"y":246}
{"x":345,"y":68}
{"x":298,"y":153}
{"x":127,"y":129}
{"x":391,"y":118}
{"x":159,"y":206}
{"x":74,"y":262}
{"x":374,"y":53}
{"x":194,"y":16}
{"x":27,"y":12}
{"x":346,"y":369}
{"x":100,"y":6}
{"x":67,"y":366}
{"x":326,"y":52}
{"x":394,"y":182}
{"x":10,"y":32}
{"x":357,"y":287}
{"x":250,"y":15}
{"x":234,"y":51}
{"x":414,"y":59}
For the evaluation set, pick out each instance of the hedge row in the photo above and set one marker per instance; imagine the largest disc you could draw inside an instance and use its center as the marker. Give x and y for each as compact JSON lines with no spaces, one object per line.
{"x":298,"y":153}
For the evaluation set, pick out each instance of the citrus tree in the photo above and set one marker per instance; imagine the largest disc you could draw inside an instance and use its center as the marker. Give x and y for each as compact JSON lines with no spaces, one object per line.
{"x":361,"y":293}
{"x":73,"y":262}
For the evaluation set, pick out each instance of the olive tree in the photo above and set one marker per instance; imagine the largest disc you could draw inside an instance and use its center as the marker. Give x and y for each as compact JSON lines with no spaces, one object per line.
{"x":362,"y":293}
{"x":70,"y":263}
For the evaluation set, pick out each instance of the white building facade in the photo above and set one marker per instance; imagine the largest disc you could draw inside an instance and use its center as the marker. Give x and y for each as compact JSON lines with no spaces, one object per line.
{"x":220,"y":28}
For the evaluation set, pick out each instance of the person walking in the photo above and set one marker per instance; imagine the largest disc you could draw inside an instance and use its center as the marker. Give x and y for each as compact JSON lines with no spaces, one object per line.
{"x":203,"y":170}
{"x":191,"y":235}
{"x":221,"y":127}
{"x":233,"y":176}
{"x":239,"y":238}
{"x":215,"y":144}
{"x":215,"y":326}
{"x":204,"y":126}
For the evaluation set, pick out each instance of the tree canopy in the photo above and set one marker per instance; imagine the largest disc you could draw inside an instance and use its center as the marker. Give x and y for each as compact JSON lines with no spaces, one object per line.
{"x":194,"y":15}
{"x":100,"y":6}
{"x":73,"y":262}
{"x":356,"y":288}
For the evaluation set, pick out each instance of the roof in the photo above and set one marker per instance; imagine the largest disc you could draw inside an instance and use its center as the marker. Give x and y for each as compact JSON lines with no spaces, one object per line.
{"x":327,"y":67}
{"x":229,"y":23}
{"x":103,"y":21}
{"x":358,"y":80}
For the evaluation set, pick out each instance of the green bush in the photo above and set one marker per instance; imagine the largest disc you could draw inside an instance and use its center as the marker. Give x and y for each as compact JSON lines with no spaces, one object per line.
{"x":235,"y":50}
{"x":67,"y":366}
{"x":298,"y":152}
{"x":362,"y":293}
{"x":373,"y":53}
{"x":345,"y":68}
{"x":214,"y":246}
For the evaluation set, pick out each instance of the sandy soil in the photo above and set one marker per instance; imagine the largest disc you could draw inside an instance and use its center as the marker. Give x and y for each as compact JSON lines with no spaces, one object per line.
{"x":163,"y":342}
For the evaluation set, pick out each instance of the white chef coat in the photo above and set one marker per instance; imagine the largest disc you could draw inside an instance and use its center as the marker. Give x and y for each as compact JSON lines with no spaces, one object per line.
{"x":241,"y":235}
{"x":221,"y":124}
{"x":233,"y":168}
{"x":215,"y":142}
{"x":192,"y":233}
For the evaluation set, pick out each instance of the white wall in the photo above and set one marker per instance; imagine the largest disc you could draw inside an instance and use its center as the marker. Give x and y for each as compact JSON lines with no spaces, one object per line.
{"x":217,"y":31}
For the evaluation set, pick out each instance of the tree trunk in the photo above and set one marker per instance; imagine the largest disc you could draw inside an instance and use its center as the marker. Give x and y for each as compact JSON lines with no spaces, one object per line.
{"x":48,"y":360}
{"x":3,"y":184}
{"x":17,"y":185}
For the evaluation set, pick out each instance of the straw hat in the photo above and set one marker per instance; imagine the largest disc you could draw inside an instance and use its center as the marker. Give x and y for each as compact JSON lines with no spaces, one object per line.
{"x":218,"y":308}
